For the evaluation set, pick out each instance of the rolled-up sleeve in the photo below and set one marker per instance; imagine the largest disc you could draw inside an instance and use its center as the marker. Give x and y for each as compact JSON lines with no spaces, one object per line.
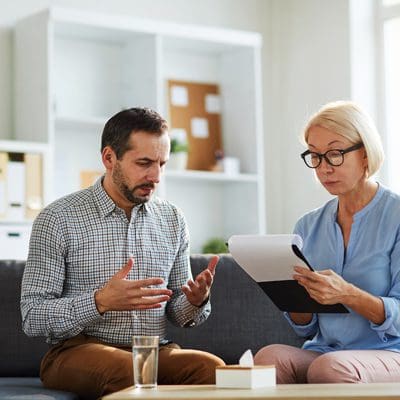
{"x":309,"y":329}
{"x":391,"y":325}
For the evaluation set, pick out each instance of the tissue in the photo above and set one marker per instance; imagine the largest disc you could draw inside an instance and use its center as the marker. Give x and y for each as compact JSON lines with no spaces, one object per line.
{"x":246,"y":360}
{"x":246,"y":374}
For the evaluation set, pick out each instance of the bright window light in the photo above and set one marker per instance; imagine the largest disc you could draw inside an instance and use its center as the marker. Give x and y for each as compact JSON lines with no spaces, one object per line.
{"x":392,"y":89}
{"x":390,"y":2}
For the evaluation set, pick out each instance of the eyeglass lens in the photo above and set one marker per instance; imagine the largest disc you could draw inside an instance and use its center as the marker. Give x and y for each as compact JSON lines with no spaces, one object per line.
{"x":333,"y":157}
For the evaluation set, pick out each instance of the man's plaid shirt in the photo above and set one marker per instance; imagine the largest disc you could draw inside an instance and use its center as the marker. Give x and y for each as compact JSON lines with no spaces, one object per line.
{"x":79,"y":242}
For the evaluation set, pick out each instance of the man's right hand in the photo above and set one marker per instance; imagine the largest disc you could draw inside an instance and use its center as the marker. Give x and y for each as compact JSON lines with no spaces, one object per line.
{"x":121,"y":294}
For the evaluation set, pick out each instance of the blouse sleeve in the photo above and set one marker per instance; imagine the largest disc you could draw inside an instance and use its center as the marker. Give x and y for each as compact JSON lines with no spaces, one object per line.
{"x":391,"y":325}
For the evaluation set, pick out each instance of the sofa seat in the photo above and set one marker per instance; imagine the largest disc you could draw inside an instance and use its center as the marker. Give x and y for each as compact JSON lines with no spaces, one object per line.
{"x":242,"y":318}
{"x":16,"y":388}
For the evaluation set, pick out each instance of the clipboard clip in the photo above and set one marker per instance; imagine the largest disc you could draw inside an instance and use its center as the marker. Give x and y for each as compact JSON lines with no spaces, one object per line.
{"x":299,"y":254}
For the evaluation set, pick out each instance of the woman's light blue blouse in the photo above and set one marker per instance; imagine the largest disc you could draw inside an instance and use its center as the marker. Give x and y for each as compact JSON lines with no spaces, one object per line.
{"x":370,"y":262}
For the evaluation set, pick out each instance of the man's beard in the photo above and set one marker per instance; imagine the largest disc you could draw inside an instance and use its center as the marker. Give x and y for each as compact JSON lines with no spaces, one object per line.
{"x":129,"y":193}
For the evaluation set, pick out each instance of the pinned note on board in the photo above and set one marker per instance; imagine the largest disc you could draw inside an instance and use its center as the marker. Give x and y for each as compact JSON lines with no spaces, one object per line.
{"x":199,"y":127}
{"x":179,"y":96}
{"x":213,"y":103}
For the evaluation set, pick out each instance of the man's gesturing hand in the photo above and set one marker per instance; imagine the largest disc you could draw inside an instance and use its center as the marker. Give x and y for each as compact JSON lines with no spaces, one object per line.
{"x":199,"y":290}
{"x":121,"y":294}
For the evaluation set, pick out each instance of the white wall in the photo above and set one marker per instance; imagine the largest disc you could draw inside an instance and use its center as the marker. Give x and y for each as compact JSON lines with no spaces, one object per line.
{"x":239,"y":14}
{"x":306,"y":62}
{"x":320,"y":51}
{"x":309,"y":66}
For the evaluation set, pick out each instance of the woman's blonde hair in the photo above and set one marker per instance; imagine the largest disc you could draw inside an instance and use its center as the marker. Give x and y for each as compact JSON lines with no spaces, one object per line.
{"x":347,"y":119}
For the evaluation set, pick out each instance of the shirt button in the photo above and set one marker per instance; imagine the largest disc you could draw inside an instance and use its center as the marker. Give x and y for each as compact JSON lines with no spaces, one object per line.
{"x":190,"y":324}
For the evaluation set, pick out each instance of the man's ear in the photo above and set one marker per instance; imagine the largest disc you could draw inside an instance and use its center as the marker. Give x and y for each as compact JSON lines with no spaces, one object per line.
{"x":108,"y":157}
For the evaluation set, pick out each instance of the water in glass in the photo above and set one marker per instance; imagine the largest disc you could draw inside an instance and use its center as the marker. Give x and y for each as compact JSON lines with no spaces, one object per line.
{"x":145,"y":364}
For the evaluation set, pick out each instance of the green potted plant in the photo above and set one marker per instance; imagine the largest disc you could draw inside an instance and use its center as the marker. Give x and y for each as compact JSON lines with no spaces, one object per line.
{"x":178,"y":155}
{"x":215,"y":246}
{"x":178,"y":147}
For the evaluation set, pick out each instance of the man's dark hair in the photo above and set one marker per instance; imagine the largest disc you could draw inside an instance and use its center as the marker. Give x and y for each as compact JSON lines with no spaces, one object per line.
{"x":118,"y":128}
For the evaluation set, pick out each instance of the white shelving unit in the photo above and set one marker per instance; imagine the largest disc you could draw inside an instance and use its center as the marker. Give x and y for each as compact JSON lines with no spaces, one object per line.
{"x":15,"y":227}
{"x":76,"y":69}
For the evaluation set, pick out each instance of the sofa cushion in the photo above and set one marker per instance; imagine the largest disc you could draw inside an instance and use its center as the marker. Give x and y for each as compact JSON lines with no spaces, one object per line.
{"x":30,"y":389}
{"x":20,"y":355}
{"x":242,"y":316}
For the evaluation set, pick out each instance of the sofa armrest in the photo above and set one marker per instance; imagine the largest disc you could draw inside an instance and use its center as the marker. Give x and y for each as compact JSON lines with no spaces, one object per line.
{"x":20,"y":354}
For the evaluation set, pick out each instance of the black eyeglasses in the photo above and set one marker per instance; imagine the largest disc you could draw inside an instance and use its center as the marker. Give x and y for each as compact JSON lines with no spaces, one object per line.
{"x":333,"y":157}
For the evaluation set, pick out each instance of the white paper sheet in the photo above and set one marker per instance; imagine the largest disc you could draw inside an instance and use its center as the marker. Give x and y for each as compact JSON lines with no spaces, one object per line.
{"x":179,"y":96}
{"x":266,"y":257}
{"x":199,"y":128}
{"x":212,"y":103}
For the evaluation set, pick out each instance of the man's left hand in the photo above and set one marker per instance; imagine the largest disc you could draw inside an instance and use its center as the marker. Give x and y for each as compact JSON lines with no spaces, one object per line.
{"x":198,"y":291}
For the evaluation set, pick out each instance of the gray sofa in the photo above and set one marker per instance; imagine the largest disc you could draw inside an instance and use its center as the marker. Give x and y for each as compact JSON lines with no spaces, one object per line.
{"x":242,"y":318}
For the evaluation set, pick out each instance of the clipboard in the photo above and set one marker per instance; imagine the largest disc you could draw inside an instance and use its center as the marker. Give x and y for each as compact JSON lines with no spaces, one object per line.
{"x":265,"y":257}
{"x":291,"y":297}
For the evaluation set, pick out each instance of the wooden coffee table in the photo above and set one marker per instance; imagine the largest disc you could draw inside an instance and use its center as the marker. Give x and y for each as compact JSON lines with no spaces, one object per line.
{"x":349,"y":391}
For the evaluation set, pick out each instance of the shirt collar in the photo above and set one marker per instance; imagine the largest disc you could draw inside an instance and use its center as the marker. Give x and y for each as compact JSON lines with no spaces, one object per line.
{"x":103,"y":201}
{"x":106,"y":205}
{"x":371,"y":204}
{"x":364,"y":210}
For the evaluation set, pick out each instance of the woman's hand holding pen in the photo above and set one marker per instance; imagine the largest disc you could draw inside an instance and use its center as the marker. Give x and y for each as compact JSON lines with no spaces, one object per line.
{"x":325,"y":287}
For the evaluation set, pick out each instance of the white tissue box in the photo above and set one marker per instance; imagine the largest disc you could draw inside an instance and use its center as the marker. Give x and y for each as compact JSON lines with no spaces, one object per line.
{"x":237,"y":376}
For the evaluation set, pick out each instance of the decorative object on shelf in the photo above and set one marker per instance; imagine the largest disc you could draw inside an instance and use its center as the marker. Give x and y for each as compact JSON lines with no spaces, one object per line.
{"x":195,"y":108}
{"x":89,"y":177}
{"x":21,"y":180}
{"x":178,"y":157}
{"x":225,"y":164}
{"x":218,"y":166}
{"x":215,"y":245}
{"x":231,"y":165}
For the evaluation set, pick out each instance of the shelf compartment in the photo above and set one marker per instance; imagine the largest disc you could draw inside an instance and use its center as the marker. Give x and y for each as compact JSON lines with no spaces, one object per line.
{"x":209,"y":176}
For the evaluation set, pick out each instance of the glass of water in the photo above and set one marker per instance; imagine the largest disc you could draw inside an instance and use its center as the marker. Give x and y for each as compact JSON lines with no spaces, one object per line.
{"x":145,"y":361}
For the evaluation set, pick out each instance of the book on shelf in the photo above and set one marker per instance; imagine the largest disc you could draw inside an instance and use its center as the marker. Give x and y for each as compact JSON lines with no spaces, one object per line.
{"x":21,"y":185}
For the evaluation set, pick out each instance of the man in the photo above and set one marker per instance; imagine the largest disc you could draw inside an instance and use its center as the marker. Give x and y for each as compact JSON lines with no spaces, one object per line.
{"x":110,"y":262}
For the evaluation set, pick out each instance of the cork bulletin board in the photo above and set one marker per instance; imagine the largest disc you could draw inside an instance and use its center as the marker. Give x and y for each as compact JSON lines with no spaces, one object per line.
{"x":195,"y":108}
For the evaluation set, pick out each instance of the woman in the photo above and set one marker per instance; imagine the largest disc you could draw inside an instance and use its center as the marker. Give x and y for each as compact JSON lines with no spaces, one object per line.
{"x":353,"y":243}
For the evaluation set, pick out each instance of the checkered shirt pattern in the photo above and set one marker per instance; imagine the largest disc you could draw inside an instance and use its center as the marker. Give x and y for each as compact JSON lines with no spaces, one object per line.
{"x":79,"y":242}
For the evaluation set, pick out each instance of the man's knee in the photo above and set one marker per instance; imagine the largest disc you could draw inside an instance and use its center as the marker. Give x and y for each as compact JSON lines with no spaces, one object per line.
{"x":118,"y":376}
{"x":187,"y":367}
{"x":332,"y":368}
{"x":90,"y":377}
{"x":204,"y":367}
